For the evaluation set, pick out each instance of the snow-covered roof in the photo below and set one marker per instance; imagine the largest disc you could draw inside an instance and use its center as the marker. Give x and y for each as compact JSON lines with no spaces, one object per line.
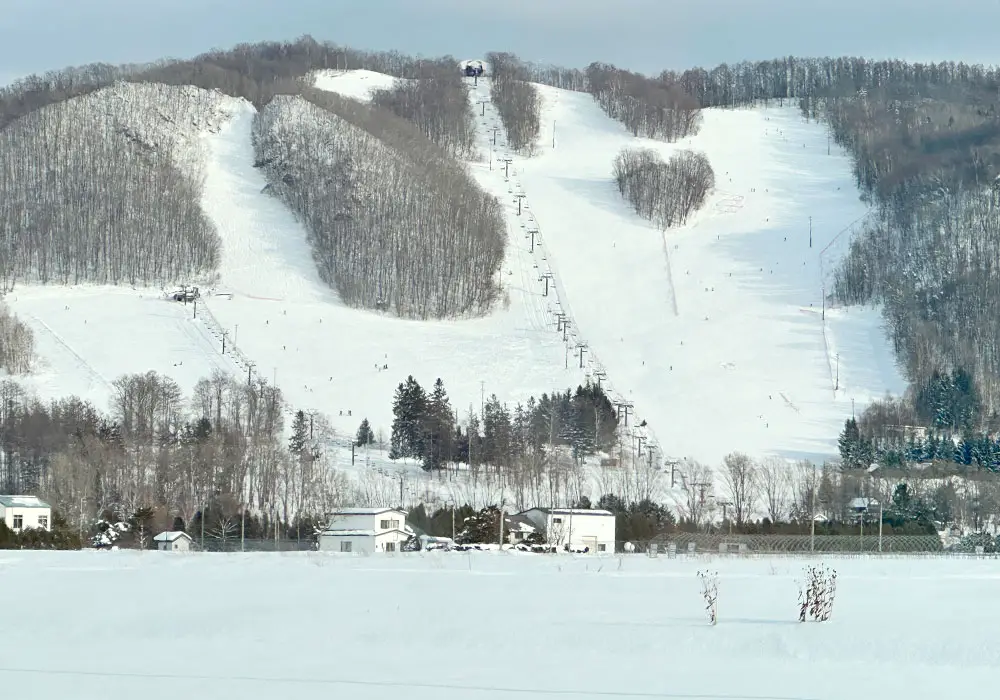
{"x":519,"y":523}
{"x":571,"y":511}
{"x":171,"y":536}
{"x":364,"y":511}
{"x":22,"y":502}
{"x":347,"y":533}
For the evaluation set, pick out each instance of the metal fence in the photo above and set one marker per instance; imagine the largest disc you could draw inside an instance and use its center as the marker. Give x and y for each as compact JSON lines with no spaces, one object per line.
{"x":699,"y":543}
{"x":253,"y":545}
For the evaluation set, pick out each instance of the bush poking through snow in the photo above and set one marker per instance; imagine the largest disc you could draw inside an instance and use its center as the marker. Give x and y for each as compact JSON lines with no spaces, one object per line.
{"x":710,"y":593}
{"x":817,"y":593}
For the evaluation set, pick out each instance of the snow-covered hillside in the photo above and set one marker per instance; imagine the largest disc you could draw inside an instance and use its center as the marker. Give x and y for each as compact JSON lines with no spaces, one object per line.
{"x":281,"y":318}
{"x":492,"y":626}
{"x":356,"y":84}
{"x":714,"y":329}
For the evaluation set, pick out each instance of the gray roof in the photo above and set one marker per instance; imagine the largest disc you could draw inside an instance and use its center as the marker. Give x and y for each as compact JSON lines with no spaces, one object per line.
{"x":348,"y":533}
{"x":363,"y":511}
{"x":171,"y":536}
{"x":572,"y":511}
{"x":22,"y":502}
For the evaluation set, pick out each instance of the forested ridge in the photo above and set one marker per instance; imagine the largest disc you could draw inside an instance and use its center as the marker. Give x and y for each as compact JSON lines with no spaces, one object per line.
{"x":394,"y":222}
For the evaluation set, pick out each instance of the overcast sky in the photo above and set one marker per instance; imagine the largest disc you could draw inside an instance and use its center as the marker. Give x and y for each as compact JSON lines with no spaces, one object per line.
{"x":645,"y":35}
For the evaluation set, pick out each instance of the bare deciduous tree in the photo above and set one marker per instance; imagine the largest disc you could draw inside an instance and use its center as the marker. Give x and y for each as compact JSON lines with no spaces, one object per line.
{"x":739,"y":474}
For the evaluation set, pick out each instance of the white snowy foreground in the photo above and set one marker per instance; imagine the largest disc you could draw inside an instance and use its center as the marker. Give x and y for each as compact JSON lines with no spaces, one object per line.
{"x":91,"y":626}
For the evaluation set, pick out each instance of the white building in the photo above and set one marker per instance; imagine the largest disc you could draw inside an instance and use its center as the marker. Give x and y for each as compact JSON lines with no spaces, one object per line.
{"x":365,"y":530}
{"x":22,"y":512}
{"x":577,"y":528}
{"x":175,"y":541}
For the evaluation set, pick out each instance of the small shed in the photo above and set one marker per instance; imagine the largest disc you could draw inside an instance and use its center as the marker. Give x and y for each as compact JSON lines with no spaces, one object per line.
{"x":175,"y":541}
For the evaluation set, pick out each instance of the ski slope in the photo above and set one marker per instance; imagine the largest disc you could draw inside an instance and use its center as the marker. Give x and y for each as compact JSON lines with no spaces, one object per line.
{"x":714,"y":330}
{"x":330,"y":358}
{"x":492,"y":626}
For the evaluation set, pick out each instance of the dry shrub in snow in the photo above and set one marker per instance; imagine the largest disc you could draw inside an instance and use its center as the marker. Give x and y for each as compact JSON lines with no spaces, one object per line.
{"x":668,"y":192}
{"x":817,"y":593}
{"x":393,"y":220}
{"x":516,"y":101}
{"x":710,"y":594}
{"x":104,"y":188}
{"x":17,"y":343}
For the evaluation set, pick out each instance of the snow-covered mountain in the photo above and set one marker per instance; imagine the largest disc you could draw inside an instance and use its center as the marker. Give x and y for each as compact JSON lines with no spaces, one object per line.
{"x":714,"y":331}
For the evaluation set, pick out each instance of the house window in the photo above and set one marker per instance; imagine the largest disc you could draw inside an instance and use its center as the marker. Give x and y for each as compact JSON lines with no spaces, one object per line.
{"x":394,"y":524}
{"x":43,"y":521}
{"x":390,"y":546}
{"x":18,"y":522}
{"x":384,"y":524}
{"x":602,"y":548}
{"x":345,"y":546}
{"x":557,"y":521}
{"x":518,"y":535}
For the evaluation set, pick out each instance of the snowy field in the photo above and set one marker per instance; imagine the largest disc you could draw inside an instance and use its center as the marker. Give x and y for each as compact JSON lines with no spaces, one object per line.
{"x":488,"y":626}
{"x":713,"y":330}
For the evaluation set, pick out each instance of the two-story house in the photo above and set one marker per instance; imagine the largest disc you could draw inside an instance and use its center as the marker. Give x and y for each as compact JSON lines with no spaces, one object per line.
{"x":21,"y":512}
{"x":365,"y":530}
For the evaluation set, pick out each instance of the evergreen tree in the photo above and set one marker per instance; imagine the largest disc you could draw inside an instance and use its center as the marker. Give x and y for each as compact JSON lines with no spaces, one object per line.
{"x":365,"y":435}
{"x":409,"y":410}
{"x":300,"y":434}
{"x":437,"y":430}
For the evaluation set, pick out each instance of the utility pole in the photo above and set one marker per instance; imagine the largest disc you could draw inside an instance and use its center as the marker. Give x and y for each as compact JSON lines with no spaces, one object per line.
{"x":519,"y":197}
{"x":250,"y":366}
{"x":553,"y":133}
{"x":582,"y":347}
{"x":547,"y":276}
{"x":225,"y":334}
{"x":195,"y":309}
{"x":836,"y":381}
{"x":810,"y":232}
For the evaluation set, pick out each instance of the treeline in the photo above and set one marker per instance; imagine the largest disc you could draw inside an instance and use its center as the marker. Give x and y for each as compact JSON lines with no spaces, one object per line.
{"x":426,"y":427}
{"x":95,"y":190}
{"x":220,"y":452}
{"x":657,"y":108}
{"x":256,"y":72}
{"x":394,"y":222}
{"x":516,"y":101}
{"x":665,"y":192}
{"x":17,"y":343}
{"x":438,"y":105}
